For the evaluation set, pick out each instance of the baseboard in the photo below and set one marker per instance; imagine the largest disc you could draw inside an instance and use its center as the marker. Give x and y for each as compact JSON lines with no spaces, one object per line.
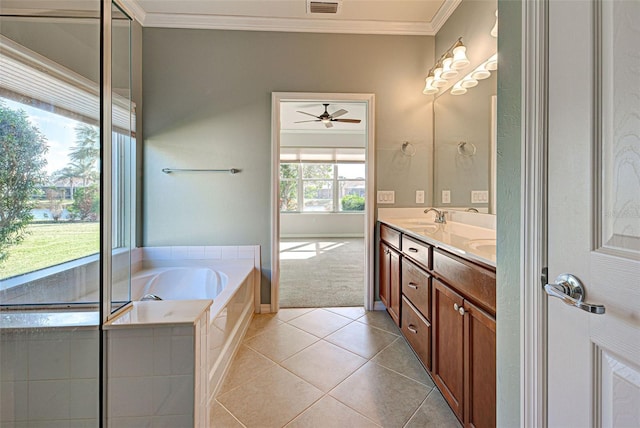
{"x":321,"y":235}
{"x":265,"y":308}
{"x":379,"y":306}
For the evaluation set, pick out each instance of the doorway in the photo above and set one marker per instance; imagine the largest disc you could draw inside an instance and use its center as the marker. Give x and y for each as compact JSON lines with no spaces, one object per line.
{"x":322,"y":192}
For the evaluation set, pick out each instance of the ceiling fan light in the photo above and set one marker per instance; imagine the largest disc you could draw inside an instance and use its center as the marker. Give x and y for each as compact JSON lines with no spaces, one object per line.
{"x":468,"y":82}
{"x":460,"y":59}
{"x":492,"y":63}
{"x":480,"y":73}
{"x":447,"y":71}
{"x":429,"y":89}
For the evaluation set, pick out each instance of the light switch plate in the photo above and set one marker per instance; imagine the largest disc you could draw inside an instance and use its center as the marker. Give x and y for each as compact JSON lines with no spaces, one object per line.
{"x":446,"y":196}
{"x":419,"y":196}
{"x":386,"y":196}
{"x":479,"y":196}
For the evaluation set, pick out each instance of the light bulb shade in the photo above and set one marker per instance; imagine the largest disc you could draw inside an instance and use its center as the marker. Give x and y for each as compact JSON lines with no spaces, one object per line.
{"x":429,"y":89}
{"x":494,"y":30}
{"x":447,"y":71}
{"x":438,"y":81}
{"x":458,"y":89}
{"x":468,"y":82}
{"x":492,"y":63}
{"x":480,"y":73}
{"x":460,"y":59}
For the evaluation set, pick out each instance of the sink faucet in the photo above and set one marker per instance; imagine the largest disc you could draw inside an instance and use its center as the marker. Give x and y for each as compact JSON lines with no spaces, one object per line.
{"x":439,"y":215}
{"x":471,"y":210}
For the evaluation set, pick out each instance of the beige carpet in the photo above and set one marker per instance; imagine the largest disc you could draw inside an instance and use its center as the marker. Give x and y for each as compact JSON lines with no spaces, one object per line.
{"x":324,"y":272}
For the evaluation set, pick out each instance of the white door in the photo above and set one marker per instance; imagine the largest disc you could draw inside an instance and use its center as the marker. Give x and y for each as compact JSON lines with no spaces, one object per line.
{"x":594,"y":211}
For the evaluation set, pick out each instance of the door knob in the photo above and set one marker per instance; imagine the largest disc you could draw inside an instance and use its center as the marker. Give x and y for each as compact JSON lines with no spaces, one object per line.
{"x":570,"y":290}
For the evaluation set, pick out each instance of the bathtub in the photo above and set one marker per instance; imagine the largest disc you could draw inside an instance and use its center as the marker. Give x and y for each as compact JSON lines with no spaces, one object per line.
{"x":229,"y":284}
{"x":179,"y":283}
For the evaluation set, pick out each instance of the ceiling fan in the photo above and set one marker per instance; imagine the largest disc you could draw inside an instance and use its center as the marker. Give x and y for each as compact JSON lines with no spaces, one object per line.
{"x":327,"y":118}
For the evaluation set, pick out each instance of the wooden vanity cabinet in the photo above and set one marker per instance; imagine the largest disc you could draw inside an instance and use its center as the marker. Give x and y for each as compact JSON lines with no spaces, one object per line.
{"x":389,"y":271}
{"x":445,"y":306}
{"x":448,"y":337}
{"x":464,"y":338}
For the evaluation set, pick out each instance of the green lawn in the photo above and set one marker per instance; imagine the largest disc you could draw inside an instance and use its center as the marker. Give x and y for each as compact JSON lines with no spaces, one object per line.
{"x":51,"y":244}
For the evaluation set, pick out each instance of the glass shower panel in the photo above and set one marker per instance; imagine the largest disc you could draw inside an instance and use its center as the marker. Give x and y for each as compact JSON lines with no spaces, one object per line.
{"x":123,"y":159}
{"x":49,"y":214}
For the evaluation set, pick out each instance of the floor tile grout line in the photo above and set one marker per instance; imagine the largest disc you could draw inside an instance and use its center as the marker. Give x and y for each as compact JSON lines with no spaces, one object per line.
{"x":229,"y":411}
{"x":417,"y":409}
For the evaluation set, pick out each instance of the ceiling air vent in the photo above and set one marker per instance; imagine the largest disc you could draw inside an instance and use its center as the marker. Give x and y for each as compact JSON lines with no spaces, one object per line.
{"x":322,"y":6}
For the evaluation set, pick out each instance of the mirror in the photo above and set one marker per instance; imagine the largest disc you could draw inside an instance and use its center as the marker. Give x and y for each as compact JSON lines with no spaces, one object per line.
{"x":464,"y":124}
{"x":464,"y":148}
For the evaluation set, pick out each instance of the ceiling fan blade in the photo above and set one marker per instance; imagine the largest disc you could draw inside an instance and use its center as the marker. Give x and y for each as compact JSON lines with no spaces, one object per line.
{"x":346,"y":120}
{"x":339,"y":113}
{"x":328,"y":124}
{"x":305,"y":121}
{"x":308,"y":114}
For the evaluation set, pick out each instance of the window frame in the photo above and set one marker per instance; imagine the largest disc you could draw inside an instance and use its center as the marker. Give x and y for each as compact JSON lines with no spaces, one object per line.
{"x":335,"y":180}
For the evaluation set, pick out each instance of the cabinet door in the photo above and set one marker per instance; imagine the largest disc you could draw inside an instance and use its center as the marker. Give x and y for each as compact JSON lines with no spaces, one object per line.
{"x":384,"y":267}
{"x":479,"y":367}
{"x":394,"y":286}
{"x":448,"y":330}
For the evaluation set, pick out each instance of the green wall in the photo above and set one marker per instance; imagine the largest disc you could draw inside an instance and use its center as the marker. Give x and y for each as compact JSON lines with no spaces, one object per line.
{"x":207,"y":97}
{"x":509,"y":216}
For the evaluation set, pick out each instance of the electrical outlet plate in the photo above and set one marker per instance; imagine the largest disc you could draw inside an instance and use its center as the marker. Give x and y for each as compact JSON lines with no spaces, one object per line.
{"x":419,"y":196}
{"x":479,"y":196}
{"x":446,"y":196}
{"x":386,"y":196}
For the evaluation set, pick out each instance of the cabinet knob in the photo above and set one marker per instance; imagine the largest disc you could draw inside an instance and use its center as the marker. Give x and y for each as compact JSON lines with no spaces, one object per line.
{"x":458,"y":309}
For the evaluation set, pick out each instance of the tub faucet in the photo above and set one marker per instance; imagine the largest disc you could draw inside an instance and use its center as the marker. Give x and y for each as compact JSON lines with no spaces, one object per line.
{"x":439,"y":215}
{"x":150,"y":297}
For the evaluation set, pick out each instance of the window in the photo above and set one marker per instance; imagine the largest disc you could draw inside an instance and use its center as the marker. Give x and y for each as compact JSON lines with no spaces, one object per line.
{"x":322,"y":187}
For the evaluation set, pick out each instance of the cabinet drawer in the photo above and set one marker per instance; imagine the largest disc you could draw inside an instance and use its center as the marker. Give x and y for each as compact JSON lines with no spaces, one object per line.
{"x":417,"y":330}
{"x":416,"y":286}
{"x":474,"y":282}
{"x":418,"y":251}
{"x":390,"y":236}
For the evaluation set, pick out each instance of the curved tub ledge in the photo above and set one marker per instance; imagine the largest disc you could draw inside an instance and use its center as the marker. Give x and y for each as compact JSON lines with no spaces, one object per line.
{"x":157,"y":313}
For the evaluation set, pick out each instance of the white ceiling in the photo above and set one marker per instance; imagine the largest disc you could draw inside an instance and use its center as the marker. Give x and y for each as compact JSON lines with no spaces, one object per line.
{"x":415,"y":17}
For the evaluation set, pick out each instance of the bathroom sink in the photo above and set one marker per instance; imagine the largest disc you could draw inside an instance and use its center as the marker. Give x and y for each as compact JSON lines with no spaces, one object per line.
{"x":484,"y":245}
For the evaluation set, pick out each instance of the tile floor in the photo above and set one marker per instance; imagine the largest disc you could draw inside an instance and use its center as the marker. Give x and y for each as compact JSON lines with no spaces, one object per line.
{"x":327,"y":367}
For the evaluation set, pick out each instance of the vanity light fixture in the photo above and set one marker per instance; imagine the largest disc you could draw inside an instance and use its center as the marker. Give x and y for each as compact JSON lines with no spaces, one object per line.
{"x":492,"y":63}
{"x":447,"y":66}
{"x":494,"y":30}
{"x":483,"y":71}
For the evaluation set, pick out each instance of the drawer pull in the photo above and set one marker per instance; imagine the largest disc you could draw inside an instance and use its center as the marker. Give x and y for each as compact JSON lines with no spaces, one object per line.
{"x":413,"y":285}
{"x":413,"y":250}
{"x":412,"y":328}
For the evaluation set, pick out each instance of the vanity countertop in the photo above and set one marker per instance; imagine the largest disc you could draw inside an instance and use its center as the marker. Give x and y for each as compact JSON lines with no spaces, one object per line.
{"x":471,"y":242}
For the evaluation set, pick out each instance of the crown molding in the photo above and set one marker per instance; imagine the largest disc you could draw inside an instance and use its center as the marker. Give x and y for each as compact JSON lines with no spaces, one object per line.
{"x":214,"y":22}
{"x":299,"y":25}
{"x":445,"y":11}
{"x":133,"y":8}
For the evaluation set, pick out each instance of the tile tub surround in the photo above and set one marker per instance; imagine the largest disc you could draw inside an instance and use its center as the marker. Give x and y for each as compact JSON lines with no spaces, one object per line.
{"x":358,"y":371}
{"x":197,"y":336}
{"x":49,"y":376}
